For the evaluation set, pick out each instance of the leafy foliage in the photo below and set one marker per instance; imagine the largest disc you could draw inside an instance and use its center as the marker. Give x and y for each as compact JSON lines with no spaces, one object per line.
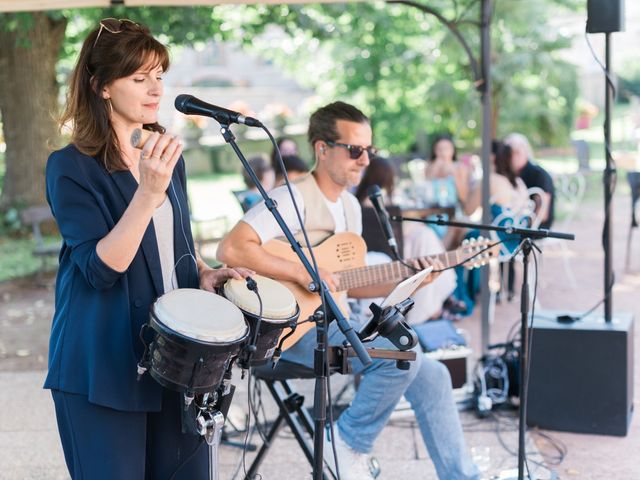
{"x":410,"y":74}
{"x":401,"y":65}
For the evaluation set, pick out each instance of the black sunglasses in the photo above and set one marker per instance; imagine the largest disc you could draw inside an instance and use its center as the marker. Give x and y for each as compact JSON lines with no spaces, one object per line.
{"x":355,"y":151}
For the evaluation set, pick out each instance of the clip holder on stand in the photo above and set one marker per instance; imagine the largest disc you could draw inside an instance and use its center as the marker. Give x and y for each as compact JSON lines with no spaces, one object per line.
{"x":210,"y":412}
{"x":390,"y":323}
{"x":333,"y":313}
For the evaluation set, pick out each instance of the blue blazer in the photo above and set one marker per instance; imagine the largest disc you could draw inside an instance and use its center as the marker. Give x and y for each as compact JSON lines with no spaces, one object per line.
{"x":95,"y":346}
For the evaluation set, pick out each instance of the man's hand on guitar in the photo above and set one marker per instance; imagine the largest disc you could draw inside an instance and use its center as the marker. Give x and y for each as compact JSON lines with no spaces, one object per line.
{"x":424,"y":262}
{"x":332,"y":280}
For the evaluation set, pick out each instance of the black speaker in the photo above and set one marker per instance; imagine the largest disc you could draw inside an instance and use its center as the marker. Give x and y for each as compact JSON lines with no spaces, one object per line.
{"x":605,"y":16}
{"x":581,"y":374}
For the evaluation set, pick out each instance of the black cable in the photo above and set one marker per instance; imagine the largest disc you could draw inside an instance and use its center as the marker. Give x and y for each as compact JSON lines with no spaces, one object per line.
{"x":611,"y":169}
{"x":317,"y":273}
{"x":188,"y":459}
{"x":600,"y":302}
{"x":529,"y":343}
{"x":253,"y":286}
{"x":502,"y":420}
{"x":558,"y":445}
{"x":604,"y":69}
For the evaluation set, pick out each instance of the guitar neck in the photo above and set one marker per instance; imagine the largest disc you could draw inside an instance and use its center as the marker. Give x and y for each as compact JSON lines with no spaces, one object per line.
{"x":391,"y":272}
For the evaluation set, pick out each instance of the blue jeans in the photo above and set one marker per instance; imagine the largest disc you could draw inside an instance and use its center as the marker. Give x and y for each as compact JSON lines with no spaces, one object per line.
{"x":427,"y":387}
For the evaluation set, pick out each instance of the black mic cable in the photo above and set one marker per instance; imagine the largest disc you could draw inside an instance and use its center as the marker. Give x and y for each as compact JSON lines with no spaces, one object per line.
{"x":375,"y":196}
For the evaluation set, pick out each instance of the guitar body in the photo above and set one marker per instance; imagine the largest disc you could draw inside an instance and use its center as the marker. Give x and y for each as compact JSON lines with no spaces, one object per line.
{"x":344,"y":254}
{"x":342,"y":251}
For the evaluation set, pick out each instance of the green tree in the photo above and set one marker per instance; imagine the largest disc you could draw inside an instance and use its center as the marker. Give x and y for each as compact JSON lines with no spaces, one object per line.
{"x":406,"y":70}
{"x":411,"y":73}
{"x":31,"y":45}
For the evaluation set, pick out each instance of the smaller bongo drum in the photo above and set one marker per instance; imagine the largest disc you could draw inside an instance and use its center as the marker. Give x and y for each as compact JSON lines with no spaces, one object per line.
{"x":279,"y":311}
{"x":198,"y":334}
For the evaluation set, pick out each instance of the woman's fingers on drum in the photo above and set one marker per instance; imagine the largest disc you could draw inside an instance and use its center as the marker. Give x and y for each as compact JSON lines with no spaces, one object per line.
{"x":220,"y":275}
{"x":243,"y":272}
{"x":207,"y":280}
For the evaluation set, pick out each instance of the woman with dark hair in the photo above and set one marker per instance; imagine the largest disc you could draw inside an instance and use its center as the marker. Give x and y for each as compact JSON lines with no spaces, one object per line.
{"x":506,"y":189}
{"x":123,"y":215}
{"x":418,"y":240}
{"x":295,"y":166}
{"x":287,"y":146}
{"x":379,"y":172}
{"x":262,"y":168}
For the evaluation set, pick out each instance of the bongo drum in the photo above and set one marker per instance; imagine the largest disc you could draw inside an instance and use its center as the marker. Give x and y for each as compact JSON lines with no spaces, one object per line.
{"x":279,"y":311}
{"x":198,"y":334}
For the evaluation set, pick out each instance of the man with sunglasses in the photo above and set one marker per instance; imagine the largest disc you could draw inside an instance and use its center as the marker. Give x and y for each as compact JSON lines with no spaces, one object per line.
{"x":341,"y":138}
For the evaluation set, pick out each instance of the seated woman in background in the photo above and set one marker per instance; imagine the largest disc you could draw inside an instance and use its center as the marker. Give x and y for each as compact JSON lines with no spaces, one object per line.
{"x":506,"y":189}
{"x":265,"y":174}
{"x":287,"y":146}
{"x":450,"y":181}
{"x":507,"y":193}
{"x":294,"y":165}
{"x":418,"y":240}
{"x":451,"y":178}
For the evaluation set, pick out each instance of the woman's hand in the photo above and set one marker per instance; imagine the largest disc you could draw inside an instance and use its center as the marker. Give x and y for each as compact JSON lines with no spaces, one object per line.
{"x":157,"y":161}
{"x":211,"y":278}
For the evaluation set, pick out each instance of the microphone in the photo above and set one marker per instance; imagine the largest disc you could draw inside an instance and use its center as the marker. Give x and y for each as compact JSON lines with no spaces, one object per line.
{"x":375,"y":195}
{"x":190,"y":105}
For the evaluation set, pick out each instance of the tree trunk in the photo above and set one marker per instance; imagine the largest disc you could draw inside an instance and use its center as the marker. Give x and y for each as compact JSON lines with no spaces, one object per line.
{"x":29,"y":105}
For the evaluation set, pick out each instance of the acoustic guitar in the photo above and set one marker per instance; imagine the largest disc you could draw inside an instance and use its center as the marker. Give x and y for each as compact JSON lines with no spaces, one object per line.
{"x":343,"y":254}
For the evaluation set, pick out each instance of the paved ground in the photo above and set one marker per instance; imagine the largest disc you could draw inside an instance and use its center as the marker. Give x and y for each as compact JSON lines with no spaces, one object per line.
{"x":29,"y":445}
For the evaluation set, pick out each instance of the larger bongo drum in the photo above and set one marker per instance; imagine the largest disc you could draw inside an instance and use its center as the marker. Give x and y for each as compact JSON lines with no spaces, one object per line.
{"x":279,"y":311}
{"x":198,"y":334}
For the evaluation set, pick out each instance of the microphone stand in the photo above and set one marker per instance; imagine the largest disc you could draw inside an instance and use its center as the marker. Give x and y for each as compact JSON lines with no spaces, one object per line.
{"x":322,"y":318}
{"x":527,"y":235}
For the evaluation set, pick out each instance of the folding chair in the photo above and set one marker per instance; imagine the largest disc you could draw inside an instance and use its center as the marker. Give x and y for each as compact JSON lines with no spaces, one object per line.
{"x":291,"y":410}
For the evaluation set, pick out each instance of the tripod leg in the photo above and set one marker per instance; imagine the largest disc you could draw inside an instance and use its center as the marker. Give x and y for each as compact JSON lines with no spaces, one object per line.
{"x":265,"y":447}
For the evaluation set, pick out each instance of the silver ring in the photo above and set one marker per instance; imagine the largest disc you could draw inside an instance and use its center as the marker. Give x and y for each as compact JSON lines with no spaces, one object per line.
{"x":163,"y":158}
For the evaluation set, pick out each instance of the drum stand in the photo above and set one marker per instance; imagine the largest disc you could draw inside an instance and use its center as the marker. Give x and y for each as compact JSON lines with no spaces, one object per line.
{"x":332,"y":311}
{"x":210,"y":427}
{"x":210,"y":417}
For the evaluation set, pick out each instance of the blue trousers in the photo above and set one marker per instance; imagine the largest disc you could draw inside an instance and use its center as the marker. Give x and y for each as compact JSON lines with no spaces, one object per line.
{"x":427,"y":387}
{"x":103,"y":443}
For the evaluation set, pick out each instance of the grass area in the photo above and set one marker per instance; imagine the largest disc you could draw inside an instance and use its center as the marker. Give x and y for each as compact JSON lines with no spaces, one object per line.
{"x":16,"y":259}
{"x":211,"y":198}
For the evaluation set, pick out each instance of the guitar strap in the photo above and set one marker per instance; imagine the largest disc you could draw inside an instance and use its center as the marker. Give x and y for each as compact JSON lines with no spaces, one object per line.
{"x":318,"y":220}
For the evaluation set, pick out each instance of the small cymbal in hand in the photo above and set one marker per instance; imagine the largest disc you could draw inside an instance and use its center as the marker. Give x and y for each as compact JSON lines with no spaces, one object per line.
{"x":139,"y":137}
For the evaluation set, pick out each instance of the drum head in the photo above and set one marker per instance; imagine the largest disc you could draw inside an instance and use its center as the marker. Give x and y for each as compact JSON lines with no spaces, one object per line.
{"x":278,"y":303}
{"x":200,"y":315}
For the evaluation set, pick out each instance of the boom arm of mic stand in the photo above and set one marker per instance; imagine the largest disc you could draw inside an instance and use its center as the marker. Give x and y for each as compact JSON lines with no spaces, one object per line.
{"x":334,"y":311}
{"x":510,"y":230}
